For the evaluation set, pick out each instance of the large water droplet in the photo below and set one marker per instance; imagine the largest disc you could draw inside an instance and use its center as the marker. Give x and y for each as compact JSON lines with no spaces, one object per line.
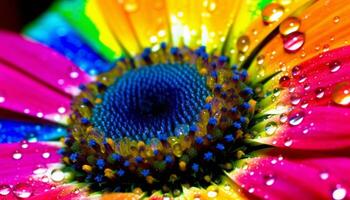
{"x":272,"y":13}
{"x":296,"y":118}
{"x":5,"y":190}
{"x":17,"y":155}
{"x":23,"y":190}
{"x":243,"y":43}
{"x":293,"y":42}
{"x":339,"y":193}
{"x":289,"y":25}
{"x":57,"y":175}
{"x":212,"y":192}
{"x":341,"y":94}
{"x":270,"y":128}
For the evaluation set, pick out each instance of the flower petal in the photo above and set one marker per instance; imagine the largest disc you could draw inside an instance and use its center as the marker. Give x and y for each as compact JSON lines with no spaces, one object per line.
{"x":27,"y":171}
{"x":40,"y":63}
{"x":314,"y":129}
{"x":276,"y":177}
{"x":39,"y":82}
{"x":19,"y":160}
{"x":51,"y":29}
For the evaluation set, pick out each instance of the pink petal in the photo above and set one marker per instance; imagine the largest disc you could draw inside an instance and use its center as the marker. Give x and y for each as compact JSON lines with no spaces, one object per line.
{"x":20,"y":160}
{"x":36,"y":80}
{"x":41,"y":63}
{"x":276,"y":177}
{"x":314,"y":80}
{"x":314,"y":128}
{"x":27,"y":171}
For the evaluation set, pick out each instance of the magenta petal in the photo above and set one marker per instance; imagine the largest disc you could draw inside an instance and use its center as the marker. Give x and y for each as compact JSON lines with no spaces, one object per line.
{"x":35,"y":80}
{"x":19,"y":160}
{"x":40,"y":63}
{"x":315,"y":128}
{"x":276,"y":177}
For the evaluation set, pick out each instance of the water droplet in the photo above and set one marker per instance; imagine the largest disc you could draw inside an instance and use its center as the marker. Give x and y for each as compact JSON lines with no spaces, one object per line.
{"x":295,"y":100}
{"x":272,"y":13}
{"x":57,"y":175}
{"x":341,"y":93}
{"x":61,"y":110}
{"x":40,"y":170}
{"x":5,"y":190}
{"x":131,"y":6}
{"x":46,"y":155}
{"x":212,"y":191}
{"x":243,"y":43}
{"x":269,"y":180}
{"x":319,"y":93}
{"x":211,"y":6}
{"x":251,"y":190}
{"x":334,"y":66}
{"x":283,"y":118}
{"x":284,"y":81}
{"x":296,"y":119}
{"x":45,"y":179}
{"x":293,"y":42}
{"x":296,"y":71}
{"x":289,"y":25}
{"x":23,"y":190}
{"x":336,"y":19}
{"x":24,"y":144}
{"x":260,"y":59}
{"x":17,"y":155}
{"x":339,"y":193}
{"x":288,"y":142}
{"x":324,"y":175}
{"x":271,"y":128}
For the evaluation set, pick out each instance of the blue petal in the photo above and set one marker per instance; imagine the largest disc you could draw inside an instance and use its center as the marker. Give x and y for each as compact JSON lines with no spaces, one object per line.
{"x":52,"y":30}
{"x":15,"y":131}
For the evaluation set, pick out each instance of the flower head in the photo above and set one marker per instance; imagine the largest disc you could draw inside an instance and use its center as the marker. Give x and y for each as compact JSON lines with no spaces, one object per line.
{"x":178,"y":100}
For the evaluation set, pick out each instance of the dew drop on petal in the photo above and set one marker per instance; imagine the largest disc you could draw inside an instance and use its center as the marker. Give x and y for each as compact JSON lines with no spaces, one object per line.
{"x":270,"y":128}
{"x":341,"y":94}
{"x":284,"y":81}
{"x":319,"y":93}
{"x":23,"y":190}
{"x":339,"y":193}
{"x":293,"y":42}
{"x":289,"y":25}
{"x":324,"y":175}
{"x":131,"y":6}
{"x":46,"y":155}
{"x":296,"y":71}
{"x":336,"y":19}
{"x":243,"y":43}
{"x":272,"y":13}
{"x":17,"y":155}
{"x":296,"y":119}
{"x":24,"y":144}
{"x":57,"y":175}
{"x":4,"y":190}
{"x":334,"y":66}
{"x":251,"y":190}
{"x":269,"y":180}
{"x":288,"y":142}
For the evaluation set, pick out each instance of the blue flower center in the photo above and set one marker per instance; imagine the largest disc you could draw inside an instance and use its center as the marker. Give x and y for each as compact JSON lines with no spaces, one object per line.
{"x":151,"y":101}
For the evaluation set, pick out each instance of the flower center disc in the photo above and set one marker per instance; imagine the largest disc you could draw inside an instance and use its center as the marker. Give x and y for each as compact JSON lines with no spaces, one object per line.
{"x":151,"y":101}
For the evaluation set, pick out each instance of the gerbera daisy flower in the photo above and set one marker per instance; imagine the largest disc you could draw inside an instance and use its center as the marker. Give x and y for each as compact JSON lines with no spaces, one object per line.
{"x":177,"y":99}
